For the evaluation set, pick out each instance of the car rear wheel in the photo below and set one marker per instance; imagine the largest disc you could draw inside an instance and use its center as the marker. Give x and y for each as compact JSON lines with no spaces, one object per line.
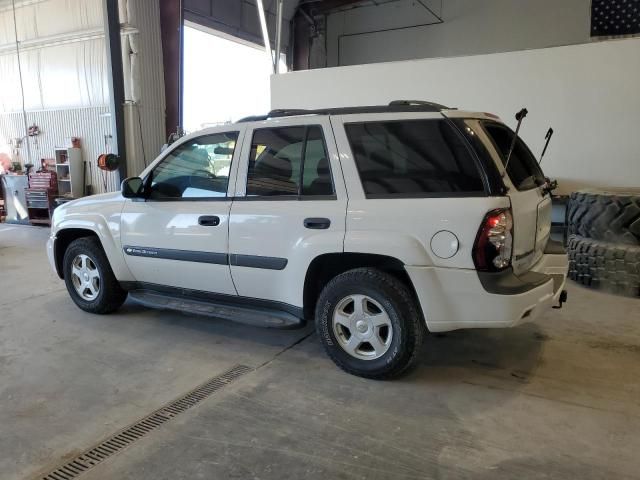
{"x":369,"y":323}
{"x":89,"y":278}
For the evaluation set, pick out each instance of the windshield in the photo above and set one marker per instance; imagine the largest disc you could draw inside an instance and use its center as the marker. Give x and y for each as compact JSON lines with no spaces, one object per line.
{"x":523,"y":168}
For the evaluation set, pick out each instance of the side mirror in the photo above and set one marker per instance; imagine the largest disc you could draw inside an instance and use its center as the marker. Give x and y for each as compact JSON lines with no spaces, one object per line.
{"x":550,"y":185}
{"x":133,"y":187}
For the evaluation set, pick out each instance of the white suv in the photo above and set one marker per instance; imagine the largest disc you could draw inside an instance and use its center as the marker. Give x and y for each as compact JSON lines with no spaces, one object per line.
{"x":378,"y":222}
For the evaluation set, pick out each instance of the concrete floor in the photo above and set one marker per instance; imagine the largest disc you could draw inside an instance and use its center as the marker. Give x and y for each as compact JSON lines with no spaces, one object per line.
{"x":556,"y":399}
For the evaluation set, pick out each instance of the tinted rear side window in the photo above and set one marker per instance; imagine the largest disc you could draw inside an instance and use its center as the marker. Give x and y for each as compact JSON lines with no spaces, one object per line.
{"x":413,"y":158}
{"x":523,"y":168}
{"x":278,"y":155}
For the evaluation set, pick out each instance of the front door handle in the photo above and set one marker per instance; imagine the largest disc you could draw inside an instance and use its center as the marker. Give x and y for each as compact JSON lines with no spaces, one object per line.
{"x":317,"y":223}
{"x":209,"y":221}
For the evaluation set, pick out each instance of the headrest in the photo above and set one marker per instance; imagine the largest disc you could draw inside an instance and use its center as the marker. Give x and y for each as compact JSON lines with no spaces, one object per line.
{"x":271,"y":166}
{"x":323,"y":167}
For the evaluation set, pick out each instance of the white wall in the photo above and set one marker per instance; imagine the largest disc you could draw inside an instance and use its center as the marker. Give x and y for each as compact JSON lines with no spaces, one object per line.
{"x":470,"y":27}
{"x":63,"y":61}
{"x":62,"y":55}
{"x":587,"y":93}
{"x":64,"y":71}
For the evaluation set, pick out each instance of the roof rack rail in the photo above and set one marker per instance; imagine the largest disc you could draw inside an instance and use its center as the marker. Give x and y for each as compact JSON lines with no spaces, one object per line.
{"x":394,"y":107}
{"x":419,"y":102}
{"x":252,"y":118}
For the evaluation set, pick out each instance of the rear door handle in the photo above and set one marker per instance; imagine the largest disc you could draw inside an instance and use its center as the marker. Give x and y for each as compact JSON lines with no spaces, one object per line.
{"x":317,"y":223}
{"x":209,"y":221}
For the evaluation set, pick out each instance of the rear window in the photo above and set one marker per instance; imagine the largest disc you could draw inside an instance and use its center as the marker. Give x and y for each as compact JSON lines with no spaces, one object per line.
{"x":523,"y":168}
{"x":413,"y":158}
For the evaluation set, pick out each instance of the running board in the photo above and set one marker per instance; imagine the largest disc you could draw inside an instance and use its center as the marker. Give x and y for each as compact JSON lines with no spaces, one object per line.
{"x":255,"y":316}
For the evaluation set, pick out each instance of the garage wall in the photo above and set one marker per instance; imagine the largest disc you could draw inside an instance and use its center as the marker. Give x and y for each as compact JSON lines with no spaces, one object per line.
{"x":405,"y":29}
{"x":587,"y":93}
{"x":62,"y":56}
{"x":90,"y":124}
{"x":64,"y":71}
{"x":61,"y":52}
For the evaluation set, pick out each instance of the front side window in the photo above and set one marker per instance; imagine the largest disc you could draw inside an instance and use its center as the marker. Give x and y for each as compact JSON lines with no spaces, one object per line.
{"x":413,"y":158}
{"x":198,"y":168}
{"x":289,"y":161}
{"x":523,"y":168}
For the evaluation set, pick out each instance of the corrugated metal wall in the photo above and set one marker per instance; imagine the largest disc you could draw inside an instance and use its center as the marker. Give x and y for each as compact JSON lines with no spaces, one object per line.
{"x":62,"y":56}
{"x":65,"y":81}
{"x":90,"y":124}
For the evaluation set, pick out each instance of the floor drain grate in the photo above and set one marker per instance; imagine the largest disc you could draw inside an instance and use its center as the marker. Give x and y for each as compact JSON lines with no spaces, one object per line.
{"x":114,"y":444}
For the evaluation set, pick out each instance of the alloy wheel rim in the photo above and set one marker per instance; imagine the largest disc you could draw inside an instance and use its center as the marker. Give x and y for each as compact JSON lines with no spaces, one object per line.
{"x":362,"y":327}
{"x":85,"y":277}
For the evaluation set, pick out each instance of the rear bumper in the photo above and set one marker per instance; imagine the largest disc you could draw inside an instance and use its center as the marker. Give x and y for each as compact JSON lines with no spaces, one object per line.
{"x":454,"y":298}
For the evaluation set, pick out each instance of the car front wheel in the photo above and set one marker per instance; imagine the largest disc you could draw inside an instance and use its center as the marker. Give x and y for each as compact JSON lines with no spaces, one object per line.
{"x":89,"y":278}
{"x":369,"y":323}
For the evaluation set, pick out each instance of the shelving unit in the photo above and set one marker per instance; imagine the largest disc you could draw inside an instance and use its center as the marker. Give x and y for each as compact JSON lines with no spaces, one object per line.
{"x":69,"y":168}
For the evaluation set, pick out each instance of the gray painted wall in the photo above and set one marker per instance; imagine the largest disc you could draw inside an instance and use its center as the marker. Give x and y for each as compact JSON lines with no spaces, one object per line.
{"x":470,"y":27}
{"x":587,"y":93}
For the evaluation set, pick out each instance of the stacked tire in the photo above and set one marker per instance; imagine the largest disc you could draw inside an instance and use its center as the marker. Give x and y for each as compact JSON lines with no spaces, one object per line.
{"x":604,"y":240}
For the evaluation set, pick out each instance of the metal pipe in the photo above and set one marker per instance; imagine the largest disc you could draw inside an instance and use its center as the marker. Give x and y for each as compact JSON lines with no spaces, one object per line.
{"x":24,"y":111}
{"x":265,"y":32}
{"x":276,"y":61}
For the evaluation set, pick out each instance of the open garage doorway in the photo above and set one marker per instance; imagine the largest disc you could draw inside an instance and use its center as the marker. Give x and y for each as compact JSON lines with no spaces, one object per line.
{"x":224,"y":79}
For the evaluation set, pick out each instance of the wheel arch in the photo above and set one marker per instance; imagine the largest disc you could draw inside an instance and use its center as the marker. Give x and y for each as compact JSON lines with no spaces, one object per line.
{"x":110,"y":245}
{"x":325,"y":267}
{"x":64,"y":238}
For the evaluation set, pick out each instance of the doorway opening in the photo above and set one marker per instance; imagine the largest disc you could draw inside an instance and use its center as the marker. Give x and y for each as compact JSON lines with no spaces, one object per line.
{"x":224,"y":79}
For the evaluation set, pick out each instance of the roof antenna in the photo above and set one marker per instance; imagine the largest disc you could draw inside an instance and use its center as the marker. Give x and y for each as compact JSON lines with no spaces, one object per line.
{"x":547,"y":137}
{"x":519,"y":117}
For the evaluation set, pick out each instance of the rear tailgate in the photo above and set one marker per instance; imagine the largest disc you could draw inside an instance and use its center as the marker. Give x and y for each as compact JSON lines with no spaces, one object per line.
{"x":532,"y":226}
{"x":530,"y":204}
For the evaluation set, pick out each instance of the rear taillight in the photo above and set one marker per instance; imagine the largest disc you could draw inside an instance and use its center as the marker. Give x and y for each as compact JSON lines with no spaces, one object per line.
{"x":494,"y":243}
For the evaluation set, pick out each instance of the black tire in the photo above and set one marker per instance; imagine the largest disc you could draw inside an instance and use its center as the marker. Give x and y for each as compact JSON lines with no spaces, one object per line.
{"x":399,"y":305}
{"x":610,"y":217}
{"x":606,"y":266}
{"x":110,"y":295}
